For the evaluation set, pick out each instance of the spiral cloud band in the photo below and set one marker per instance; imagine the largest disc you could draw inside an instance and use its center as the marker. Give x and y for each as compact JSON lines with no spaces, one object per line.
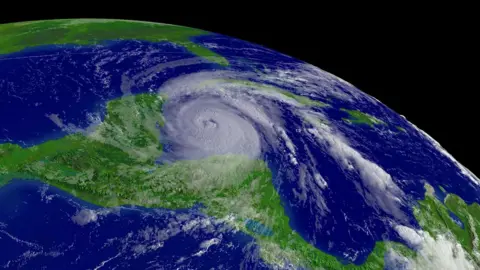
{"x":205,"y":126}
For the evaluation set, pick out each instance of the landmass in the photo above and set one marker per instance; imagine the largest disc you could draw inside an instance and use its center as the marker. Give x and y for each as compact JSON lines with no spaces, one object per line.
{"x":109,"y":168}
{"x":19,"y":36}
{"x":270,"y":88}
{"x":434,"y":217}
{"x":358,"y":117}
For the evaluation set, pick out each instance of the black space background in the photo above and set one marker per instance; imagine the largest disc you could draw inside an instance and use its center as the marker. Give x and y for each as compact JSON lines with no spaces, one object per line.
{"x":423,"y":65}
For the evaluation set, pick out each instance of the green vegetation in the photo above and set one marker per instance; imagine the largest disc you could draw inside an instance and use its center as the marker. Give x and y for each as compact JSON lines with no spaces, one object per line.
{"x":18,"y":36}
{"x":358,"y":117}
{"x":434,"y":218}
{"x":132,"y":124}
{"x":107,"y":169}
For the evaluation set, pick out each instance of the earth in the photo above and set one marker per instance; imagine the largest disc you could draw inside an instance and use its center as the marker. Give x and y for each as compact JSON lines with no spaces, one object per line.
{"x":137,"y":145}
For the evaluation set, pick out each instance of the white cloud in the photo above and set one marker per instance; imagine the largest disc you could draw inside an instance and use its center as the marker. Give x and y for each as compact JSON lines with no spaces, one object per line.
{"x":288,"y":142}
{"x":320,"y":180}
{"x":380,"y":189}
{"x":84,"y":217}
{"x":208,"y":243}
{"x":409,"y":235}
{"x":205,"y":245}
{"x":440,"y":253}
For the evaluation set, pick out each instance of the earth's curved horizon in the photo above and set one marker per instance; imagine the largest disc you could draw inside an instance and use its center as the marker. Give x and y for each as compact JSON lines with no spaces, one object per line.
{"x":130,"y":144}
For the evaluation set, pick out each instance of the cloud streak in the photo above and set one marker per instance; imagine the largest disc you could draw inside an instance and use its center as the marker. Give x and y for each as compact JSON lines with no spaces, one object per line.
{"x":379,"y":189}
